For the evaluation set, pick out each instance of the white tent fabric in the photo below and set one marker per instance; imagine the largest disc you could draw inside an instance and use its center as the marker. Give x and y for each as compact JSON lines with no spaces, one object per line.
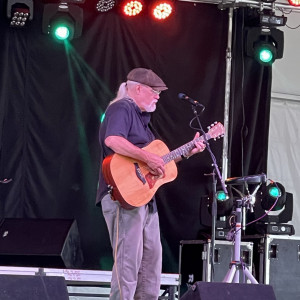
{"x":284,"y":134}
{"x":286,"y":70}
{"x":284,"y":153}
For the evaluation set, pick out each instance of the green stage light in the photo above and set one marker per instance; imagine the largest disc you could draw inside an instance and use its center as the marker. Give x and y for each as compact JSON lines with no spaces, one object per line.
{"x":274,"y":192}
{"x":62,"y":28}
{"x":273,"y":197}
{"x":224,"y":203}
{"x":265,"y":55}
{"x":264,"y":46}
{"x":62,"y":32}
{"x":63,"y":21}
{"x":221,"y":196}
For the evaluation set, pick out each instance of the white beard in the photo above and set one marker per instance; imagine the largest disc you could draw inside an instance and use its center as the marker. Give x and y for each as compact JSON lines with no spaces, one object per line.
{"x":151,"y":107}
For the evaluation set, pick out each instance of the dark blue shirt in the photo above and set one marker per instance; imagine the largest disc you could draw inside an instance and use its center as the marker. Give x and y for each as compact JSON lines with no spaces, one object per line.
{"x":122,"y":118}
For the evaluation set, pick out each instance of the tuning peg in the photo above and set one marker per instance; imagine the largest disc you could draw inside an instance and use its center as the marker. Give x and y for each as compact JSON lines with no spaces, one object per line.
{"x":215,"y":122}
{"x":212,"y":125}
{"x":208,"y":127}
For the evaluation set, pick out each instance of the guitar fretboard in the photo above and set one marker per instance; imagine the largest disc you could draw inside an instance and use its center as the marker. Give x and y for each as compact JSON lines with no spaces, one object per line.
{"x":183,"y":150}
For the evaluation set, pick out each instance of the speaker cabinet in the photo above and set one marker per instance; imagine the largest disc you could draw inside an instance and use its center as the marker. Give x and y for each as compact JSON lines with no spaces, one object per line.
{"x":19,"y":287}
{"x":48,"y":243}
{"x":228,"y":291}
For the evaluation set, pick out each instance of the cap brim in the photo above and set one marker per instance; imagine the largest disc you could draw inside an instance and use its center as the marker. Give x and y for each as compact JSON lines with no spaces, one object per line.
{"x":159,"y":88}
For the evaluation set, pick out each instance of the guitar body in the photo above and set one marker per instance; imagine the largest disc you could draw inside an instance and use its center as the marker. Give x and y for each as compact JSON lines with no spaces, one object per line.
{"x":132,"y":184}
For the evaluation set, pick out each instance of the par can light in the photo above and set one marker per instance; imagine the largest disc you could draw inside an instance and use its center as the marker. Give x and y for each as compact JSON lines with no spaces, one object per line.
{"x":294,"y":2}
{"x":132,"y":8}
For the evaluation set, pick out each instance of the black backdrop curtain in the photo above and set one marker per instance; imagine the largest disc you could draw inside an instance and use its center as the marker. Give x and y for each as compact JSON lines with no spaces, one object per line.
{"x":250,"y":106}
{"x":52,"y":97}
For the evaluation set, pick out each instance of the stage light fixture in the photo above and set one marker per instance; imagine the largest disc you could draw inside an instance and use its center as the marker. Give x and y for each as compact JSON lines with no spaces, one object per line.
{"x":132,"y":8}
{"x":19,"y":12}
{"x":62,"y":21}
{"x":265,"y":53}
{"x":162,"y":9}
{"x":294,"y":2}
{"x":221,"y":196}
{"x":224,"y":208}
{"x":264,"y":44}
{"x":275,"y":205}
{"x":224,"y":203}
{"x":274,"y":192}
{"x":105,"y":5}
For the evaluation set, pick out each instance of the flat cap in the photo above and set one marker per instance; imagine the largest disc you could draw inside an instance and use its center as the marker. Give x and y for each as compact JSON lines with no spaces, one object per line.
{"x":147,"y":77}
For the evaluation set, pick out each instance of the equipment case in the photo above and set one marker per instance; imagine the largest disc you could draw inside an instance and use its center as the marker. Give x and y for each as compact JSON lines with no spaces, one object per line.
{"x":223,"y":256}
{"x":195,"y":261}
{"x":280,"y":265}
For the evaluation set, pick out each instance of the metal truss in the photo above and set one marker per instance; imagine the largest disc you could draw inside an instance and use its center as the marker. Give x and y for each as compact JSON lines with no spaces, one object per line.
{"x":262,"y":5}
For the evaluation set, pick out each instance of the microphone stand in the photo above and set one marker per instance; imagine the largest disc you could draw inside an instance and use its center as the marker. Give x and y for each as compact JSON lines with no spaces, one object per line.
{"x":214,"y":203}
{"x":213,"y":224}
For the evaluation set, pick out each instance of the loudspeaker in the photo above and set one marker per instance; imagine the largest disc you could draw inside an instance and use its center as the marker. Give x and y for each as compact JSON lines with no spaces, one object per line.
{"x":48,"y":243}
{"x":22,"y":287}
{"x":228,"y":291}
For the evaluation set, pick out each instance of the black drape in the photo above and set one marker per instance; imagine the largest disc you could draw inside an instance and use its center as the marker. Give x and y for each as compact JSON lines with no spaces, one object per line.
{"x":250,"y":107}
{"x":52,"y":97}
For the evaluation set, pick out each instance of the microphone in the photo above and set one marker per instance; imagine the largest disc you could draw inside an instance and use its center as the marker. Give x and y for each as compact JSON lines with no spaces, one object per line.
{"x":184,"y":97}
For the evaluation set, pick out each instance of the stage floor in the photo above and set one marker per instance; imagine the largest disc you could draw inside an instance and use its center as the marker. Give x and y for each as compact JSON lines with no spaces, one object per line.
{"x":91,"y":284}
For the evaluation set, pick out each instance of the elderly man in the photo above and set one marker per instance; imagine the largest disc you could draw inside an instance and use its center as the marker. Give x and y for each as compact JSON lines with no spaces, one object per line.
{"x":134,"y":233}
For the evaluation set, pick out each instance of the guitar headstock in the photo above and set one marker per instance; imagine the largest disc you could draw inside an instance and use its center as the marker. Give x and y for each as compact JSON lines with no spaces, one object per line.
{"x":216,"y":130}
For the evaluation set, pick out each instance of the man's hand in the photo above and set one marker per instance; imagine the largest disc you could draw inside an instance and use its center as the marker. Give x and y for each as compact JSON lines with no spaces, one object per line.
{"x":155,"y":164}
{"x":199,"y":146}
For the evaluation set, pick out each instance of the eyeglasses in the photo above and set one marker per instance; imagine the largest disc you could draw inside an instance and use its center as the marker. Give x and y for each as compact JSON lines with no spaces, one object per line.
{"x":154,"y":91}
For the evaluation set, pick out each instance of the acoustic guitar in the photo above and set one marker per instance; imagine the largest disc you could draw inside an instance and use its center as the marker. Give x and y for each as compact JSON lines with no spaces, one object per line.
{"x":129,"y":179}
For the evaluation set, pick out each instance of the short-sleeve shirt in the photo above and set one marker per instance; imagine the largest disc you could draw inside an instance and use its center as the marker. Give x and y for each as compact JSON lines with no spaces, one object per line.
{"x":122,"y":118}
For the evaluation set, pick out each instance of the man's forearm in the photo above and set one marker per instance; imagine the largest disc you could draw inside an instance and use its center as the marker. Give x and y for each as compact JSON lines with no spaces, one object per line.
{"x":122,"y":146}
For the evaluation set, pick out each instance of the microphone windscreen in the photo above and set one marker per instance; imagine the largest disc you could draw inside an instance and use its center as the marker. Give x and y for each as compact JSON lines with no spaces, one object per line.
{"x":182,"y":96}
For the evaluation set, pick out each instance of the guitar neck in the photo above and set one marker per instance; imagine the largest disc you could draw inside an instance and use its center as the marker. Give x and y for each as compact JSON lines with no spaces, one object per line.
{"x":183,"y":150}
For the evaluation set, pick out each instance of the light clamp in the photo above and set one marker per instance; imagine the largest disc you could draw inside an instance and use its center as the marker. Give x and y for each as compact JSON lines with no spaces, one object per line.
{"x":272,"y":20}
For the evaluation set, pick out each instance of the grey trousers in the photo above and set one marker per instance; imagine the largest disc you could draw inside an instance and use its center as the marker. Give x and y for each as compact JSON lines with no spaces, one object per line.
{"x":137,"y":251}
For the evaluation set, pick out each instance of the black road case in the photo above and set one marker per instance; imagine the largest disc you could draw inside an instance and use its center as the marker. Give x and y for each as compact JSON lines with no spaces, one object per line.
{"x":195,"y":261}
{"x":280,"y":265}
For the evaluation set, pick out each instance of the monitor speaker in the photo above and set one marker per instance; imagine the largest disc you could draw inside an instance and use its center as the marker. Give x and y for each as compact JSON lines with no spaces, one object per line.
{"x":20,"y":287}
{"x":228,"y":291}
{"x":48,"y":243}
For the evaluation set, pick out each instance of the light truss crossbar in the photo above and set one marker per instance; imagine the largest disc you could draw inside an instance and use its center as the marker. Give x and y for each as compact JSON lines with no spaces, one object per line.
{"x":250,"y":3}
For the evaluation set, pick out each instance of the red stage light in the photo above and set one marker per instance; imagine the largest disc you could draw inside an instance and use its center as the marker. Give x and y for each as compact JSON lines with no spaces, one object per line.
{"x":162,"y":9}
{"x":294,"y":2}
{"x":132,"y":8}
